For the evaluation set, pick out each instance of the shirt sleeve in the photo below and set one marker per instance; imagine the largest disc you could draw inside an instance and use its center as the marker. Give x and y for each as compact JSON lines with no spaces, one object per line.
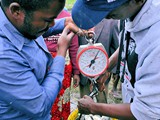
{"x":56,"y":29}
{"x":146,"y":102}
{"x":56,"y":73}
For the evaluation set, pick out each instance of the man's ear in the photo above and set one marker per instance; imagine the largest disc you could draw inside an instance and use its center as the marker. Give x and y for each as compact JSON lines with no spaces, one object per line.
{"x":15,"y":10}
{"x":141,"y":1}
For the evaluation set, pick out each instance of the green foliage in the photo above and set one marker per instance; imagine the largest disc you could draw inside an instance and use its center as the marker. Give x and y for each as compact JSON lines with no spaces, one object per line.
{"x":69,"y":4}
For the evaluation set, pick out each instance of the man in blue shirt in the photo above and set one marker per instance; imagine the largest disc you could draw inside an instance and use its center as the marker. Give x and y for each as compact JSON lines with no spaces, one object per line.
{"x":29,"y":78}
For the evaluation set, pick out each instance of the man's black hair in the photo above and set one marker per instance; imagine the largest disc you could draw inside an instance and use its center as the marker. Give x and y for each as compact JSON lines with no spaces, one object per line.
{"x":30,"y":5}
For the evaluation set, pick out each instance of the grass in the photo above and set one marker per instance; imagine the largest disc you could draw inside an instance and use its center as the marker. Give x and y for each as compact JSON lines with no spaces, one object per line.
{"x":69,"y":4}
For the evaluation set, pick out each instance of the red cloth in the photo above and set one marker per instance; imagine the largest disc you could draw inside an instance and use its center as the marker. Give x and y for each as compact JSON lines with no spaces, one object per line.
{"x":51,"y":43}
{"x":61,"y":107}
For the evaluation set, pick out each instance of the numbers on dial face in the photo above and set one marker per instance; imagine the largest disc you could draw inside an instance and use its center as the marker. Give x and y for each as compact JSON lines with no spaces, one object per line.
{"x":93,"y":62}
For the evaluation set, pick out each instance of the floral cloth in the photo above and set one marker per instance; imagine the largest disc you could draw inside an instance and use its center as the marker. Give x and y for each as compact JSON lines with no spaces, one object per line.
{"x":61,"y":107}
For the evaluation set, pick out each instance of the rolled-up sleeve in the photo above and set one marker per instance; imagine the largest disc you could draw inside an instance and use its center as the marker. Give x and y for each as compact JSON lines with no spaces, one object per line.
{"x":56,"y":29}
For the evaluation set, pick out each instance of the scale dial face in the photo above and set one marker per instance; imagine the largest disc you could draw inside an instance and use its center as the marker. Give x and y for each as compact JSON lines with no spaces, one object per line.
{"x":92,"y":61}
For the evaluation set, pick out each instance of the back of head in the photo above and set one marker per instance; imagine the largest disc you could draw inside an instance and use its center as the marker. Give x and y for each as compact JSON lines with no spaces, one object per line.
{"x":32,"y":17}
{"x":29,"y":5}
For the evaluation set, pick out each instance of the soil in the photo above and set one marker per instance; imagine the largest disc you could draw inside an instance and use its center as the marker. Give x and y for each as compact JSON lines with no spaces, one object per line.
{"x":75,"y":95}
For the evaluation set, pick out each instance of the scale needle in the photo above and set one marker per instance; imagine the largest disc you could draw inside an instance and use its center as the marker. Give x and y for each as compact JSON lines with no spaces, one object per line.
{"x":93,"y":61}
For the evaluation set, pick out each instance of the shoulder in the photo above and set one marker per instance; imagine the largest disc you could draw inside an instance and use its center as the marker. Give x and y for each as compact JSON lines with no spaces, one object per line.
{"x":108,"y":24}
{"x":63,"y":14}
{"x":110,"y":21}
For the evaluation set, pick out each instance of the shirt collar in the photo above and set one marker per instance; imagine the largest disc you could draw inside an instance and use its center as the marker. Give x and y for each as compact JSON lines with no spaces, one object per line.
{"x":13,"y":35}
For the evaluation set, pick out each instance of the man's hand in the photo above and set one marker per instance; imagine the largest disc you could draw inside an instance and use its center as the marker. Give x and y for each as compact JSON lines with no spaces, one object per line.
{"x":76,"y":80}
{"x":73,"y":27}
{"x":64,"y":41}
{"x":85,"y":105}
{"x":101,"y":81}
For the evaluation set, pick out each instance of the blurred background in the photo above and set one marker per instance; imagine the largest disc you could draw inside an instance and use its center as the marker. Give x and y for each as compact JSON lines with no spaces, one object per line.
{"x":69,"y":4}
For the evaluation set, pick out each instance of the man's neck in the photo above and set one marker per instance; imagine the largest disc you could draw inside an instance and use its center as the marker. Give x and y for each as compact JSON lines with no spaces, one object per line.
{"x":141,"y":2}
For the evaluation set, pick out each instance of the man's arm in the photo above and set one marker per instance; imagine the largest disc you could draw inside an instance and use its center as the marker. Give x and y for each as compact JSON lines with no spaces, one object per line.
{"x":121,"y":111}
{"x":113,"y":60}
{"x":57,"y":28}
{"x":23,"y":87}
{"x":112,"y":63}
{"x":60,"y":24}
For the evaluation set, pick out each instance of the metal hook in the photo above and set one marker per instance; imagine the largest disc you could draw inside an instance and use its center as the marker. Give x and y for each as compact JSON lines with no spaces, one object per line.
{"x":95,"y":87}
{"x":91,"y":40}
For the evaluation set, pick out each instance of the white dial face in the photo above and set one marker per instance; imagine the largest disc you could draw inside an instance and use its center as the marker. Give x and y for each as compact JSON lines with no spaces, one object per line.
{"x":92,"y":62}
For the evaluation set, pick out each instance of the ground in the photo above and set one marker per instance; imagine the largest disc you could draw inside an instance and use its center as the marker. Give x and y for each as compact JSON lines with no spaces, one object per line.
{"x":75,"y":96}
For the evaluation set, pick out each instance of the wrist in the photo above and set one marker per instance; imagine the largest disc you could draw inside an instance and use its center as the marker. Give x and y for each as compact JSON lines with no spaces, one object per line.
{"x":68,"y":20}
{"x":61,"y":53}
